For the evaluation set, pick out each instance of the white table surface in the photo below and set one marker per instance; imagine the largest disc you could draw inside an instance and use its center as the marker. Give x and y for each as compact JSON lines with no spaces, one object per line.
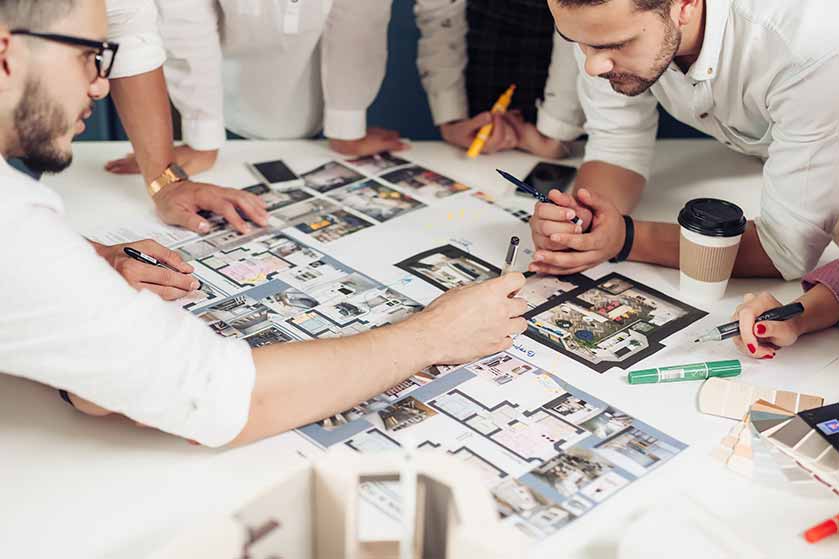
{"x":74,"y":486}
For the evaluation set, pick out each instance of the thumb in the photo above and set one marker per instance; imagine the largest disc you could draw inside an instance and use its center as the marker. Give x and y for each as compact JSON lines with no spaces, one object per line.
{"x":481,"y":120}
{"x":593,"y":200}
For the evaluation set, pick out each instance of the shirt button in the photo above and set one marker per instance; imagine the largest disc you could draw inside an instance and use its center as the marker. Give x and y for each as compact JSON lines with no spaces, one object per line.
{"x":703,"y":115}
{"x":710,"y":71}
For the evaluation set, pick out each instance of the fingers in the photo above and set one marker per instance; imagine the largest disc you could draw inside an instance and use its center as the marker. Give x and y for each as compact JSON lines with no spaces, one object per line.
{"x":563,"y":199}
{"x":166,"y":293}
{"x":165,"y":255}
{"x":478,"y":121}
{"x":517,"y":326}
{"x":772,"y":333}
{"x":555,"y":270}
{"x":516,"y":307}
{"x":251,"y":205}
{"x":593,"y":200}
{"x":124,"y":166}
{"x":550,"y":229}
{"x":542,"y":242}
{"x":568,"y":260}
{"x":509,"y":283}
{"x":746,"y":317}
{"x":503,"y":136}
{"x":155,"y":275}
{"x":578,"y":242}
{"x":559,"y":212}
{"x":224,"y":208}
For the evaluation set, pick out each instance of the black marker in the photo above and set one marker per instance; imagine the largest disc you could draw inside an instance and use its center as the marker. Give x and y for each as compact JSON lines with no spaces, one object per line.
{"x":152,"y":261}
{"x":533,"y":192}
{"x":732,"y":329}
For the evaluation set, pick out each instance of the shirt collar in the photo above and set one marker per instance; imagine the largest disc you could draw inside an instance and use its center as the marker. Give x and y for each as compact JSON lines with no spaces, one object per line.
{"x":716,"y":18}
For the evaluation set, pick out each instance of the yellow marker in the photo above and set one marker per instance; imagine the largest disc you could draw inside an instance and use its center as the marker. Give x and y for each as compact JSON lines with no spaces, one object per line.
{"x":486,"y":131}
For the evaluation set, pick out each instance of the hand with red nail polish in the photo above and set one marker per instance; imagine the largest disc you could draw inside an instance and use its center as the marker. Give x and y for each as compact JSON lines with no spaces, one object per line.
{"x":761,"y":339}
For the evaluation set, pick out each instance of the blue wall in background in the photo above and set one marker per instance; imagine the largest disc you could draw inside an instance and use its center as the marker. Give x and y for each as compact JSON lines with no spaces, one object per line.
{"x":401,"y":103}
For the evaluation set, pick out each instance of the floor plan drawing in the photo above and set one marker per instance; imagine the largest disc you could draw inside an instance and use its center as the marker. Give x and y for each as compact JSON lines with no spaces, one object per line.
{"x":548,"y":451}
{"x":280,"y":289}
{"x":615,"y":322}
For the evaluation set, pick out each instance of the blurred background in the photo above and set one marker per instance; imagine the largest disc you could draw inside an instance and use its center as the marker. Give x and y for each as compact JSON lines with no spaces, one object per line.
{"x":401,"y":88}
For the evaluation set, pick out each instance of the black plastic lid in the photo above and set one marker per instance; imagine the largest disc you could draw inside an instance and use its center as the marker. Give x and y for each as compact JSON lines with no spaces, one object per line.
{"x":712,"y":217}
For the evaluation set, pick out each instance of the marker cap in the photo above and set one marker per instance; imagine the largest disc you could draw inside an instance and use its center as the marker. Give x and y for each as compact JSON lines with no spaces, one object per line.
{"x":694,"y":371}
{"x":823,"y":530}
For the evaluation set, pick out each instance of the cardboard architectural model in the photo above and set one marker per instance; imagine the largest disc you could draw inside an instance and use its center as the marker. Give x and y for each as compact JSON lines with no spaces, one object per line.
{"x":324,"y":511}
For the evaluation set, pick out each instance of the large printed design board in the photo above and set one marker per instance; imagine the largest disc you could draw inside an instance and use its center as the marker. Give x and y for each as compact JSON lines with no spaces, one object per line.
{"x":548,"y":451}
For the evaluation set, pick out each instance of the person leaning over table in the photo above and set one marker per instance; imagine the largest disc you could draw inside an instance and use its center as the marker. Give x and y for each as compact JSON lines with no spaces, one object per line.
{"x":138,"y":89}
{"x":470,"y":51}
{"x":762,"y":340}
{"x":264,"y":70}
{"x":751,"y":73}
{"x":69,"y":320}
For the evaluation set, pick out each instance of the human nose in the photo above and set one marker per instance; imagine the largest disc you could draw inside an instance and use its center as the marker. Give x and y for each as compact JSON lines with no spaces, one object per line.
{"x":598,"y":62}
{"x":99,"y":88}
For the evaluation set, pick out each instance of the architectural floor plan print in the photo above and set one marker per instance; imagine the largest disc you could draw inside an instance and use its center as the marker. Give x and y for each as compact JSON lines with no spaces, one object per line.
{"x":548,"y":451}
{"x":615,"y":322}
{"x":271,"y":288}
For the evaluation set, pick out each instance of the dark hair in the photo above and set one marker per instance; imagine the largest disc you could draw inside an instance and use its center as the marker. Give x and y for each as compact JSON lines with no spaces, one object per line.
{"x":640,"y":5}
{"x":35,"y":15}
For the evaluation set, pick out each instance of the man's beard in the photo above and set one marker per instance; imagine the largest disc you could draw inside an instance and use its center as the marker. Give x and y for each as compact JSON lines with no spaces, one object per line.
{"x":635,"y":85}
{"x":39,"y":123}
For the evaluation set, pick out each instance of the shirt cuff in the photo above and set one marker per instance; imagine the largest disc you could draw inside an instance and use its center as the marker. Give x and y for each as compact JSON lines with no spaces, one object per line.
{"x":138,"y":54}
{"x":555,"y":128}
{"x":345,"y":124}
{"x":448,"y":105}
{"x":222,"y":412}
{"x":827,"y":275}
{"x":203,"y":135}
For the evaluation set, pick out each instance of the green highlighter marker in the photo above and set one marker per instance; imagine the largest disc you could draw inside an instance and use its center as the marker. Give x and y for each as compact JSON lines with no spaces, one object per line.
{"x":694,"y":371}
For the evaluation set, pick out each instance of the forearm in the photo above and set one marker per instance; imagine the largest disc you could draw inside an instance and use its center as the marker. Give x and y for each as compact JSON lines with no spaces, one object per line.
{"x":821,"y":310}
{"x":143,"y":105}
{"x":621,"y":186}
{"x":298,"y":383}
{"x":658,"y":243}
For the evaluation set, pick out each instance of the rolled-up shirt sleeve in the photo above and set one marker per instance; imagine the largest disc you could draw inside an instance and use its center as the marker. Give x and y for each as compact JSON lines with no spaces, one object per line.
{"x":560,"y":113}
{"x":193,"y":69}
{"x":442,"y":57}
{"x":133,"y":24}
{"x":69,"y":321}
{"x":800,"y":199}
{"x":621,"y":129}
{"x":353,"y":64}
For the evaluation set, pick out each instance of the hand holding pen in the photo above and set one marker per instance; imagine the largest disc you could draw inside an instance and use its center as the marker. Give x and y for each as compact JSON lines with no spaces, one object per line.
{"x":761,"y":326}
{"x":158,"y":269}
{"x":555,"y":215}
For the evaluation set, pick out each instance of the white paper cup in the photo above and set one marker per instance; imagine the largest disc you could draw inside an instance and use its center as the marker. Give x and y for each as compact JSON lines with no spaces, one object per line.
{"x":711,"y":231}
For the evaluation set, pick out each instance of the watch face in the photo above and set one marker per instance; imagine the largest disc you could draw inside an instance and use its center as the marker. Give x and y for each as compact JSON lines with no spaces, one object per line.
{"x":178,"y":171}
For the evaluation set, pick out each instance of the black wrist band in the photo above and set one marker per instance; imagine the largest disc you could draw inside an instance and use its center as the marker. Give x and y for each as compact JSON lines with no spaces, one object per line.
{"x":627,"y":243}
{"x":66,"y":397}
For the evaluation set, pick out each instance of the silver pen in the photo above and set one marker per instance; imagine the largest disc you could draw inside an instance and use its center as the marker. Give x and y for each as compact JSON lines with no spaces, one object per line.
{"x":512,"y":252}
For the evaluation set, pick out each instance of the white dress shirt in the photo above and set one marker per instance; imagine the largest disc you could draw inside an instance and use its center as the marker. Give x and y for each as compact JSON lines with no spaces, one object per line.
{"x":442,"y":59}
{"x":71,"y":322}
{"x":273,"y":69}
{"x":133,"y":24}
{"x":762,"y":84}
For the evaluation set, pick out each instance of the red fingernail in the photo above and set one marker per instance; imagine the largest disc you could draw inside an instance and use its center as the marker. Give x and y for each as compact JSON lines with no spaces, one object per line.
{"x":751,"y":348}
{"x":761,"y":329}
{"x":770,"y":356}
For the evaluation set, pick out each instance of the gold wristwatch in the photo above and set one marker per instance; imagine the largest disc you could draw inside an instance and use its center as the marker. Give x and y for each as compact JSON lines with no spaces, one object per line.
{"x":173,"y":173}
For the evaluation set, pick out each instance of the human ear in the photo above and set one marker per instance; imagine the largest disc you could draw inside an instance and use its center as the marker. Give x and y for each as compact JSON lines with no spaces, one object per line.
{"x":6,"y":58}
{"x":683,"y":11}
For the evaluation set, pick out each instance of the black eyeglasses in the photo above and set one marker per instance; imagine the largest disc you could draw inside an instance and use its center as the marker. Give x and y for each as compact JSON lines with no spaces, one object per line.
{"x":106,"y":52}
